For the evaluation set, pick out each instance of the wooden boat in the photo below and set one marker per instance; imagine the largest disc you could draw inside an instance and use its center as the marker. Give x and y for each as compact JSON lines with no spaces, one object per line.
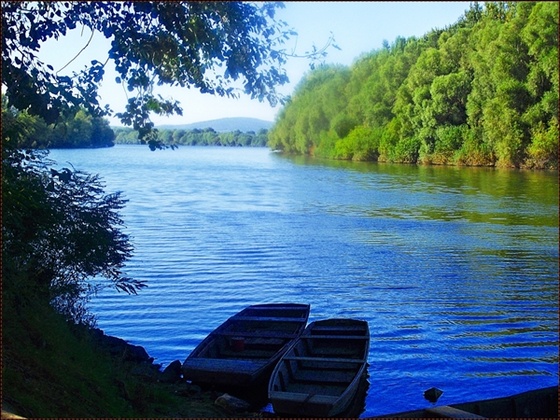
{"x":320,"y":373}
{"x":245,"y":348}
{"x":539,"y":403}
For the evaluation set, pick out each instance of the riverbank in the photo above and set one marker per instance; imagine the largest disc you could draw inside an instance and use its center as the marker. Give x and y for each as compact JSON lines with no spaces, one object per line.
{"x":53,"y":369}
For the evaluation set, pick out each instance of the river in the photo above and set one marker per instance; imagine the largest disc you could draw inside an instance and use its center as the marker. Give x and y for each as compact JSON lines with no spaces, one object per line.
{"x":455,"y":269}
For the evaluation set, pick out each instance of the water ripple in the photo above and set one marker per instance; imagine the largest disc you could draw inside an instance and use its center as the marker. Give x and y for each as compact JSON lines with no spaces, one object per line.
{"x":455,"y":269}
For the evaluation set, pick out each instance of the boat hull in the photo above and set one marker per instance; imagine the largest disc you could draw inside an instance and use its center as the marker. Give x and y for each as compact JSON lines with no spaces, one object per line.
{"x":243,"y":350}
{"x":539,"y":403}
{"x":320,"y":374}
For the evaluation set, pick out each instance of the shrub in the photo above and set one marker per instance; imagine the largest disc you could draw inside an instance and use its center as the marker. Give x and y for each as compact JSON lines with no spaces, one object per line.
{"x":59,"y":231}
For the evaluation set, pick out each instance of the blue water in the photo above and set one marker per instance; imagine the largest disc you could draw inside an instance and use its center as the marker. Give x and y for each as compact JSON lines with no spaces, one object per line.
{"x":455,"y":269}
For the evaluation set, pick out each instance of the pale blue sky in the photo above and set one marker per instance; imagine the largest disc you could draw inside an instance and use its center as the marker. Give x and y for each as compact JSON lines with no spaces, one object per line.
{"x":358,"y":27}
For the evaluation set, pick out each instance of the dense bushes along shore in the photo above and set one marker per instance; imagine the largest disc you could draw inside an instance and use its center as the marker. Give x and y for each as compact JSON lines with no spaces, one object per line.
{"x":483,"y":91}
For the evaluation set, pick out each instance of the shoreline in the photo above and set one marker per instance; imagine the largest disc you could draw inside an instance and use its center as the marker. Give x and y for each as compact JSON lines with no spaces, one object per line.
{"x":204,"y":402}
{"x":151,"y":392}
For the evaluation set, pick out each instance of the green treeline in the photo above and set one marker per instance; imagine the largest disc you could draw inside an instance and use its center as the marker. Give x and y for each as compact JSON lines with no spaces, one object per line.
{"x":197,"y":137}
{"x":80,"y":130}
{"x":483,"y":91}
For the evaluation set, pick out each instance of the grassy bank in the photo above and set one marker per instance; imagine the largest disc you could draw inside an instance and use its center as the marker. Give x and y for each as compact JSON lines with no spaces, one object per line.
{"x":53,"y":369}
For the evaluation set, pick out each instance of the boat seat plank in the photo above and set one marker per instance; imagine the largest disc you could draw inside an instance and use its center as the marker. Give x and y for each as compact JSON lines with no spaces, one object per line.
{"x":323,"y":359}
{"x":263,"y":334}
{"x":335,"y":337}
{"x":323,"y":377}
{"x":222,"y":365}
{"x":302,"y":308}
{"x":301,"y":398}
{"x":247,"y":353}
{"x":339,"y":328}
{"x":266,"y":318}
{"x":452,"y":413}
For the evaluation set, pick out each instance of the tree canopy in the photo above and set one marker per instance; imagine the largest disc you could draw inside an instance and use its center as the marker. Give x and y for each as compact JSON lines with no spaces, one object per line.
{"x":215,"y":47}
{"x":59,"y":229}
{"x":80,"y":130}
{"x":483,"y":91}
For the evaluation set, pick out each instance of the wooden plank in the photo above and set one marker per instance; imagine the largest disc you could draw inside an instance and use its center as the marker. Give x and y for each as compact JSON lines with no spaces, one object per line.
{"x":323,"y":359}
{"x":279,"y":307}
{"x":539,"y":403}
{"x":267,"y":318}
{"x":452,"y":413}
{"x":335,"y":337}
{"x":331,"y":377}
{"x":339,"y":328}
{"x":261,"y":334}
{"x":302,"y":398}
{"x":247,"y":354}
{"x":264,"y":342}
{"x":223,"y":365}
{"x":9,"y":415}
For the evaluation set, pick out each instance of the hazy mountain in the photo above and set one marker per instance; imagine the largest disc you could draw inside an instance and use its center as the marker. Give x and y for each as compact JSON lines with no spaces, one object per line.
{"x":224,"y":125}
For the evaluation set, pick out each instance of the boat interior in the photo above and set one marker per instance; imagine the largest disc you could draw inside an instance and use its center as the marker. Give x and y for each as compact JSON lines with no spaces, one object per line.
{"x":250,"y":339}
{"x":325,"y":361}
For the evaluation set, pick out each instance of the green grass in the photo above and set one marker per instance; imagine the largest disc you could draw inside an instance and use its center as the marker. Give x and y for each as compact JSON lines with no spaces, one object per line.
{"x":53,"y":369}
{"x":48,"y":370}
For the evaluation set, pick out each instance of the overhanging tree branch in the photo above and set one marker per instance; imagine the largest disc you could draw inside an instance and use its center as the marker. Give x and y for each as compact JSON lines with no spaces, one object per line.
{"x":204,"y":45}
{"x":79,"y":53}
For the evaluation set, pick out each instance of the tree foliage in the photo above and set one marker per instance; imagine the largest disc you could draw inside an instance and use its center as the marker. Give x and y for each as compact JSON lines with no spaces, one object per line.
{"x":80,"y":130}
{"x":59,"y":231}
{"x":483,"y":91}
{"x":221,"y":48}
{"x":318,"y":102}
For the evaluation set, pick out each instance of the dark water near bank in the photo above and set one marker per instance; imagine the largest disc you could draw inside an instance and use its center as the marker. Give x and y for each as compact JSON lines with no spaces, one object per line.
{"x":456,"y":269}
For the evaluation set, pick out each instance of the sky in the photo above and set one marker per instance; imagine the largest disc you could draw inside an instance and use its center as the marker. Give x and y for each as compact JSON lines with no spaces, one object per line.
{"x":357,"y":27}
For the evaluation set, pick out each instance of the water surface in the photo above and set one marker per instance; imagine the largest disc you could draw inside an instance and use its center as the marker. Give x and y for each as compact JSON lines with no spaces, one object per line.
{"x":455,"y":269}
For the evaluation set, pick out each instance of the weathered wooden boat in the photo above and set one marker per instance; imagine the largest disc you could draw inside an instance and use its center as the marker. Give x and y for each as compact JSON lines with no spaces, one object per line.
{"x":539,"y":403}
{"x":245,"y":348}
{"x":320,"y":373}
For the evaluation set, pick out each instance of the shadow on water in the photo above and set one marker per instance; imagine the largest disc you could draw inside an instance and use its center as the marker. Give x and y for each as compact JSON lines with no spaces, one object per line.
{"x":497,"y":182}
{"x":358,"y":404}
{"x":444,"y":193}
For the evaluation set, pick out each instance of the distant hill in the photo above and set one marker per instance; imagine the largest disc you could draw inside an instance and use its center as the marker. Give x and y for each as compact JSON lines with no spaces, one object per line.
{"x":224,"y":125}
